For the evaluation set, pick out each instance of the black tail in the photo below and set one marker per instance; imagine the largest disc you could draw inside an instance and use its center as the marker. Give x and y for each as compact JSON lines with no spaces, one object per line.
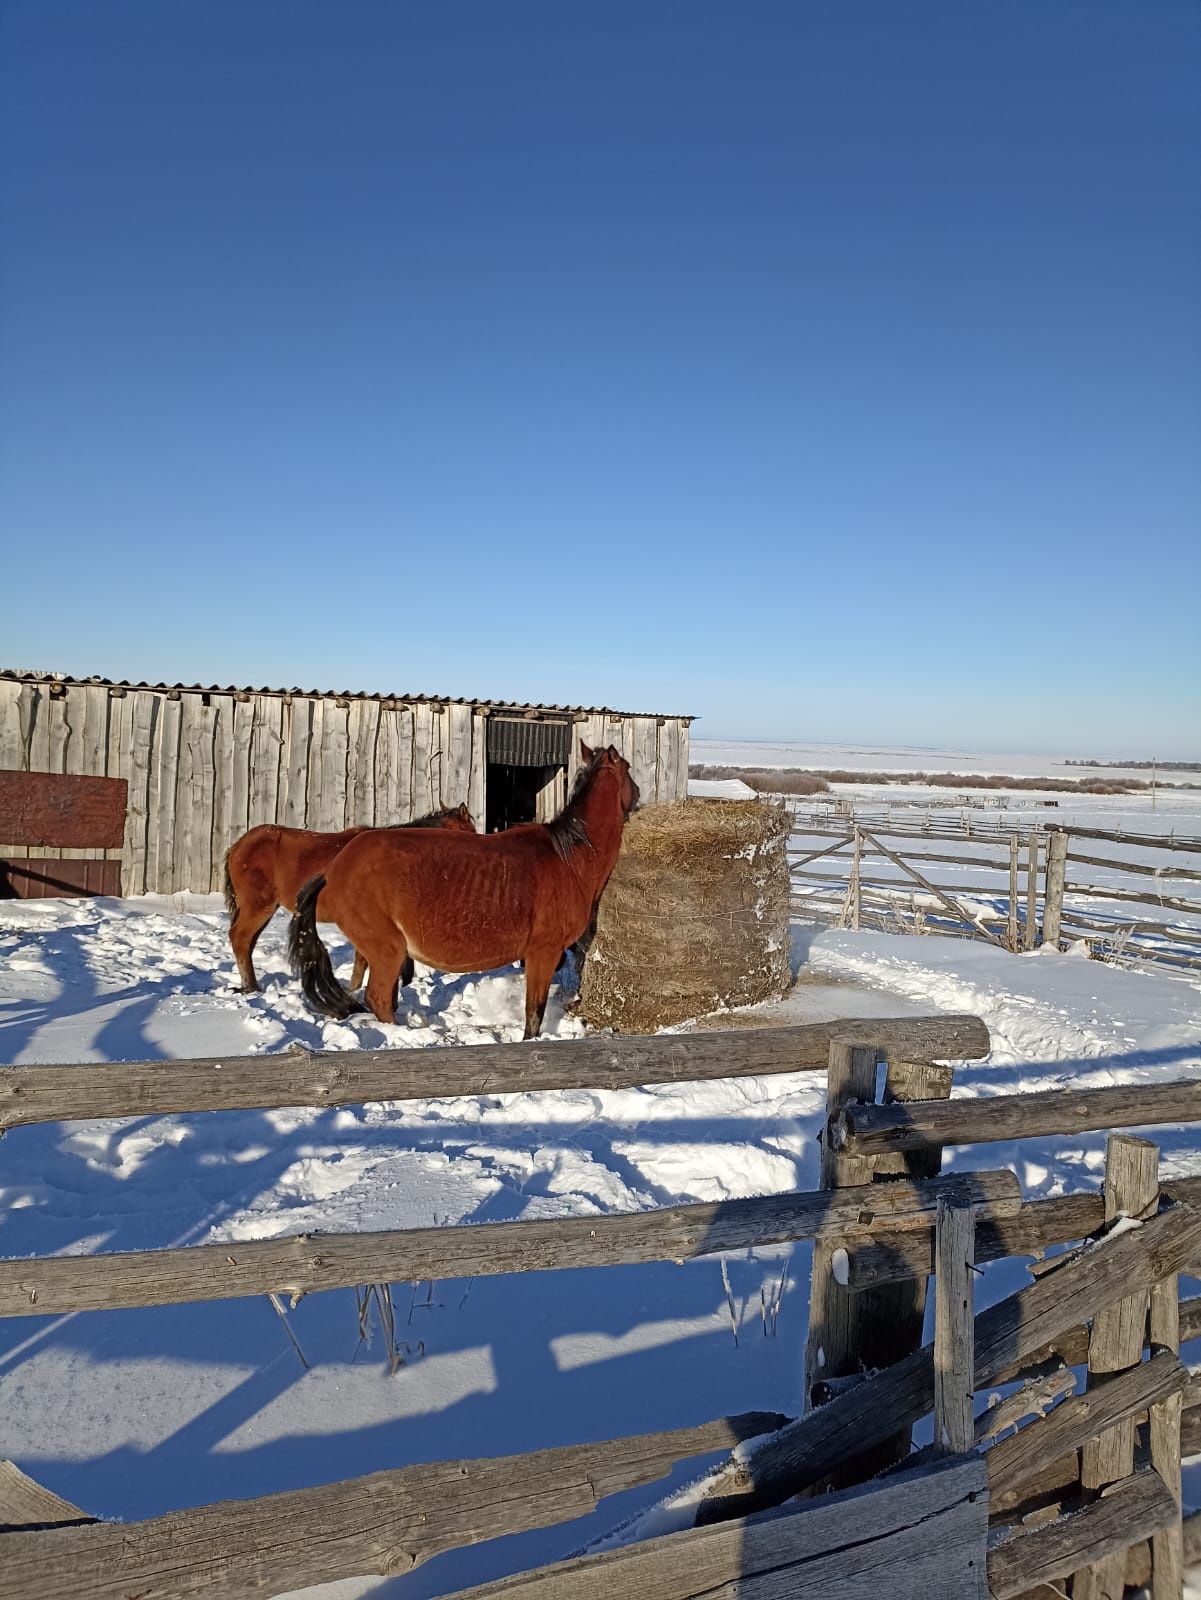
{"x":231,"y":899}
{"x":310,"y":959}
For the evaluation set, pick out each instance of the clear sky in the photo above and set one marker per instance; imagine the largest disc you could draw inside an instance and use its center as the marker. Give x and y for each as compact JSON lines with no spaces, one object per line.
{"x":829,"y":369}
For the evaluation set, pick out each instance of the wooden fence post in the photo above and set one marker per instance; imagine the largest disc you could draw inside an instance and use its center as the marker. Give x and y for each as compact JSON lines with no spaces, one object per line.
{"x":854,"y":1331}
{"x":1057,"y":860}
{"x":954,"y":1327}
{"x":1032,"y":891}
{"x":830,"y":1345}
{"x":1013,"y":893}
{"x":1167,"y":1547}
{"x":854,"y":890}
{"x":1116,"y":1343}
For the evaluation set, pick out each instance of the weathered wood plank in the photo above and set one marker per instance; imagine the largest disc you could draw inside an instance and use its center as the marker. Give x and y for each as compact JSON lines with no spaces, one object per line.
{"x":427,"y":782}
{"x":220,"y":833}
{"x":160,"y":852}
{"x":477,"y":797}
{"x":1019,"y":1459}
{"x":456,"y":757}
{"x":386,"y":1523}
{"x":925,"y":1530}
{"x":954,"y":1327}
{"x":1115,"y":1344}
{"x":306,"y":1263}
{"x":1005,"y":1334}
{"x":1039,"y":1224}
{"x":1132,"y":1510}
{"x":298,"y":734}
{"x":26,"y":1504}
{"x":1057,"y":849}
{"x":877,"y":1130}
{"x":266,"y":748}
{"x":361,"y":736}
{"x":353,"y":1077}
{"x":1167,"y":1546}
{"x":12,"y":745}
{"x":244,"y":716}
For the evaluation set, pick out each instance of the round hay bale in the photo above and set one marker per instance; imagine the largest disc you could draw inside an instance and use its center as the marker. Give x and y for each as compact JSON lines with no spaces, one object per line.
{"x":694,"y":918}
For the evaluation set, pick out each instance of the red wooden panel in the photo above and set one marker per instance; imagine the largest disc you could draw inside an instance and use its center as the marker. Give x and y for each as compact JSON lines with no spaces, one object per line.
{"x":68,"y":813}
{"x":68,"y":878}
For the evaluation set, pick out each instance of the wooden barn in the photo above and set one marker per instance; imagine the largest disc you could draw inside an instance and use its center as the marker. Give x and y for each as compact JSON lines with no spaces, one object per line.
{"x":190,"y":768}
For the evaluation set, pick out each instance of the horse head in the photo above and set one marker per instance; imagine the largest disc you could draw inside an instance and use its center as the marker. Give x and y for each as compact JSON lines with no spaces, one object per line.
{"x":612,"y":758}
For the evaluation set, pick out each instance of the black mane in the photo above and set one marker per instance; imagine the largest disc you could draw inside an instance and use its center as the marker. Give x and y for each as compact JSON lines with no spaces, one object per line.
{"x":567,"y":831}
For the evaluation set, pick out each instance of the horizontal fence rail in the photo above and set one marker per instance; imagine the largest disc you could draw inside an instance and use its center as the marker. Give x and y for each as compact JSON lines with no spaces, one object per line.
{"x":384,"y":1524}
{"x":354,"y":1077}
{"x":304,"y":1264}
{"x":876,"y":1130}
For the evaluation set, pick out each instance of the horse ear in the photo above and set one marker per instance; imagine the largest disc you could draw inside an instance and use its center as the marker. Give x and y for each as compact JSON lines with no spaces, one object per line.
{"x":614,"y":752}
{"x":585,"y":752}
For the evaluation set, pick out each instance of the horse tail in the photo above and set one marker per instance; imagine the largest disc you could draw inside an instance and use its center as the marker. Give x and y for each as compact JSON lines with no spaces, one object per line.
{"x":310,"y":959}
{"x":231,"y":898}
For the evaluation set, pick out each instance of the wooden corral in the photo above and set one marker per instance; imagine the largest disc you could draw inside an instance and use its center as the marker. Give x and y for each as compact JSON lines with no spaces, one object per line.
{"x":1038,"y":896}
{"x":203,"y":765}
{"x":1086,"y":1489}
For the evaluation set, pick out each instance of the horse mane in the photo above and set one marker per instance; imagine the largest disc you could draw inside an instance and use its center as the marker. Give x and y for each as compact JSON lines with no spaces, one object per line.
{"x":432,"y":818}
{"x":567,"y":831}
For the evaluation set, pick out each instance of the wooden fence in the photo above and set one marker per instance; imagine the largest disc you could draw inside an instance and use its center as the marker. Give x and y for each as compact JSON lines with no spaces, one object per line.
{"x":882,"y":1218}
{"x":1050,"y":884}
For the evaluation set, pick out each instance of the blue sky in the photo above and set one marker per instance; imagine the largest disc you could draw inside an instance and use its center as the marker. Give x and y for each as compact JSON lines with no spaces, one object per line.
{"x":829,"y":370}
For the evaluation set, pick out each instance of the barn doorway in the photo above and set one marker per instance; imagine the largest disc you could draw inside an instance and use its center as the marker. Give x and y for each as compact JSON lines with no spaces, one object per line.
{"x":527,"y":770}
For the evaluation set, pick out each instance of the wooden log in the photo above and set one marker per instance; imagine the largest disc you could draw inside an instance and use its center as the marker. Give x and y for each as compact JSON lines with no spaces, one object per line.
{"x":1132,"y":1510}
{"x":954,"y":1364}
{"x":1020,"y":1458}
{"x":830,"y":1346}
{"x":308,"y":1263}
{"x":1167,"y":1546}
{"x":1116,"y":1344}
{"x":1014,"y":944}
{"x":1092,"y":891}
{"x":1157,"y":841}
{"x":1037,"y":1226}
{"x":385,"y":1523}
{"x":1034,"y":1397}
{"x":26,"y":1504}
{"x":1005,"y":1335}
{"x":1057,"y":849}
{"x":925,"y":1529}
{"x":879,"y":1130}
{"x":1142,"y":868}
{"x":354,"y":1077}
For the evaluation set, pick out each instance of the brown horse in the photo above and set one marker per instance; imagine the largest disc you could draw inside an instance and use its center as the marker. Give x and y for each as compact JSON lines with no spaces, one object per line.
{"x":268,"y":866}
{"x":467,"y":904}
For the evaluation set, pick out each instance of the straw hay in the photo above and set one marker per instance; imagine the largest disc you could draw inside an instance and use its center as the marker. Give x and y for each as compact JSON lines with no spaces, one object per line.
{"x":694,"y":918}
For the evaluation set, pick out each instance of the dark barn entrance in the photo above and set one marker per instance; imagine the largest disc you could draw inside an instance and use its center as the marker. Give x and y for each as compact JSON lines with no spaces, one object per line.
{"x":527,"y":760}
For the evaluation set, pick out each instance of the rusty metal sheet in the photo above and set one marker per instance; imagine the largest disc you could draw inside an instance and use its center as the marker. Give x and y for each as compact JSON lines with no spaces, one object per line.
{"x":62,"y":811}
{"x":68,"y":878}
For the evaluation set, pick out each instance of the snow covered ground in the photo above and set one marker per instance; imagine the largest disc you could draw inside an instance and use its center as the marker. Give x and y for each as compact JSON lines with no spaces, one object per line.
{"x":134,"y":1413}
{"x":908,"y":758}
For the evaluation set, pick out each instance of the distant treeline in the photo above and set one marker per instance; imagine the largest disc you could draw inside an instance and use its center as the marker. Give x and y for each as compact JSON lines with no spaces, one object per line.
{"x":800,"y":780}
{"x":1145,"y":766}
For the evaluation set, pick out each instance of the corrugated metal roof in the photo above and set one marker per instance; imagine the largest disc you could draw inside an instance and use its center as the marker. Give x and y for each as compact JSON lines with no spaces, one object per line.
{"x":511,"y":706}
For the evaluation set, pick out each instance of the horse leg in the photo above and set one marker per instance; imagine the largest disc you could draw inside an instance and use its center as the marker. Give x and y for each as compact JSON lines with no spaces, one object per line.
{"x":386,"y":961}
{"x":360,"y":967}
{"x":539,"y":970}
{"x":244,"y":935}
